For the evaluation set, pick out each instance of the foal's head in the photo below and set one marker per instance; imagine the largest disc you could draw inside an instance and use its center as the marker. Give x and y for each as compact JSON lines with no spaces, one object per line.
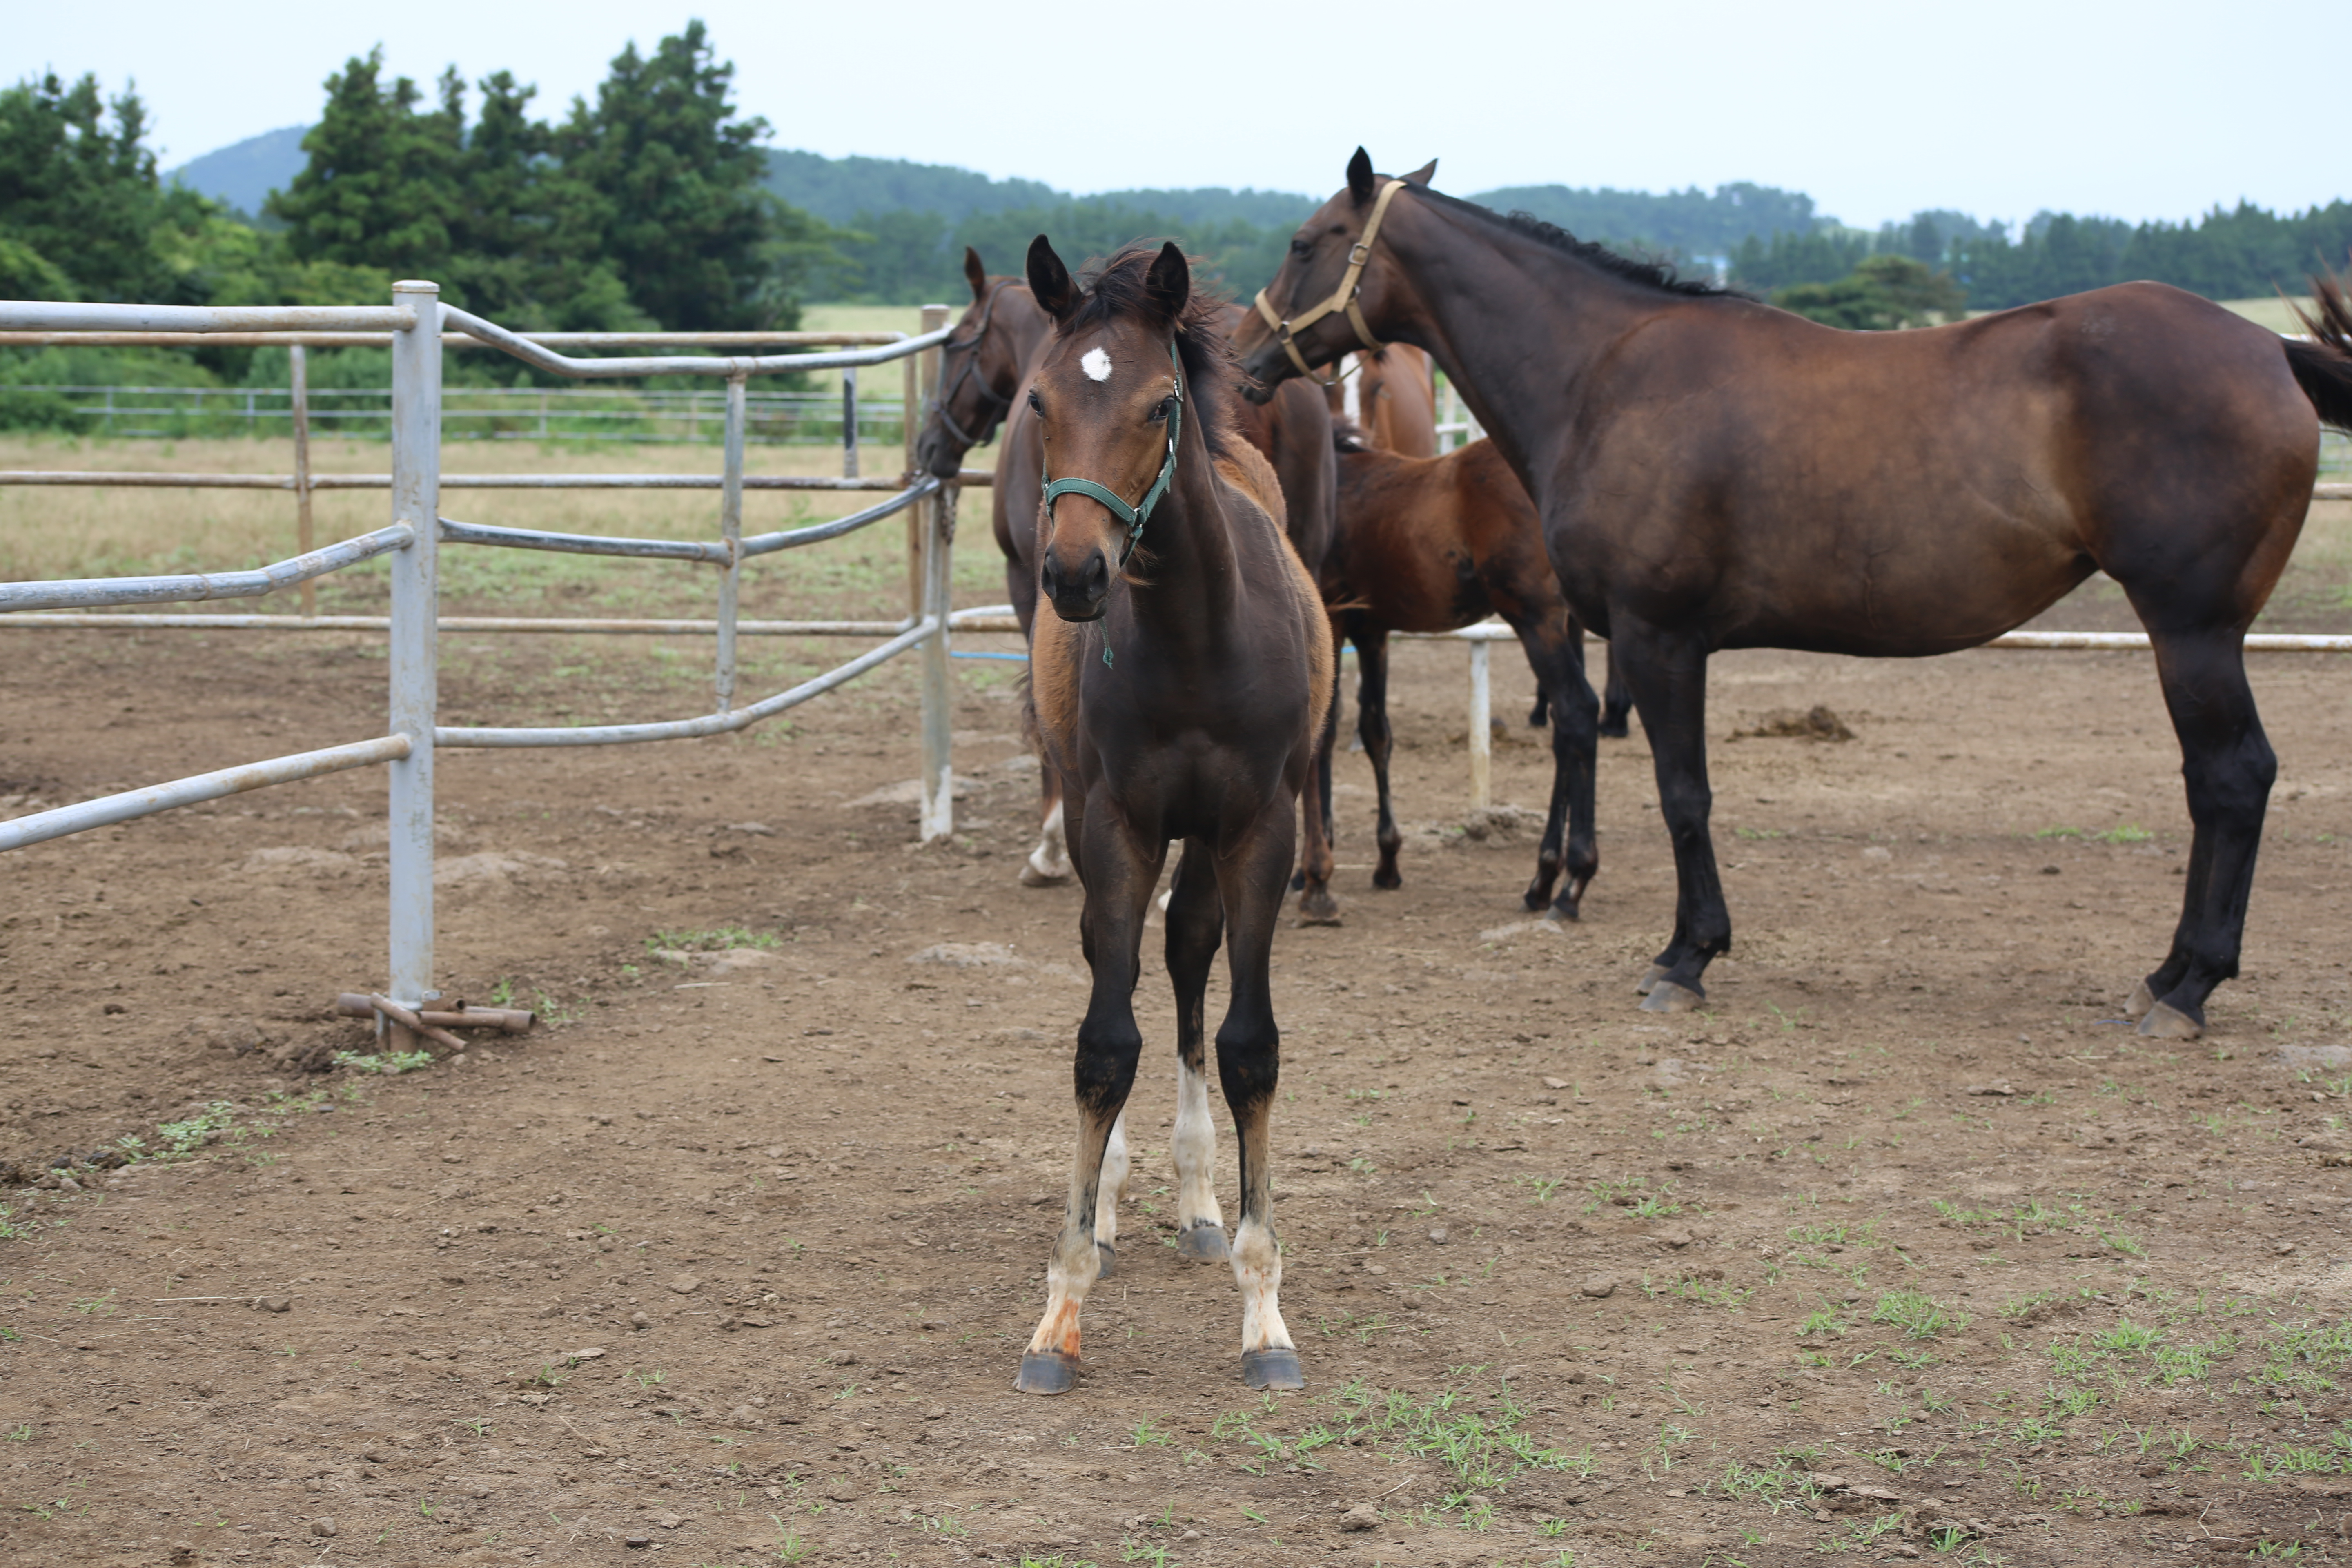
{"x":1132,"y":360}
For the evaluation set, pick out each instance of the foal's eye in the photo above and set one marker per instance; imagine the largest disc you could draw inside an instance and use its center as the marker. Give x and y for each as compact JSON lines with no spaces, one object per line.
{"x":1035,"y":407}
{"x":1161,"y":410}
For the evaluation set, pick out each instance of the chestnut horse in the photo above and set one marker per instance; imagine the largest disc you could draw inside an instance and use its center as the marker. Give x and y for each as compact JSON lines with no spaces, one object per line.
{"x":1388,"y":395}
{"x":1180,"y":689}
{"x":1430,"y":544}
{"x":1714,"y":473}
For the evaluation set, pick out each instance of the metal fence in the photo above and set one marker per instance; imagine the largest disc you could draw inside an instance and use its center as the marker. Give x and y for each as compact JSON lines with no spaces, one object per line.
{"x":412,"y":326}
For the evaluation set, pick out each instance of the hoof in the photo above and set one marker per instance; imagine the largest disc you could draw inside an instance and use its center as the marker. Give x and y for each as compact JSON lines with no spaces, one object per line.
{"x":1046,"y":1371}
{"x":1319,"y":908}
{"x":2142,"y":1000}
{"x":1276,"y":1368}
{"x":1032,"y":877}
{"x":1569,"y":905}
{"x":1202,"y":1243}
{"x":1666,"y":996}
{"x":1298,"y":882}
{"x":1387,"y":879}
{"x":1614,"y":728}
{"x":1106,"y":1260}
{"x":1657,"y":972}
{"x":2166,"y":1022}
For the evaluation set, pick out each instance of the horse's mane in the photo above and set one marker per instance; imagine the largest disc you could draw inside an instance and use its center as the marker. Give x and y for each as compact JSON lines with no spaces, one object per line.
{"x":1113,"y":288}
{"x":1648,"y":272}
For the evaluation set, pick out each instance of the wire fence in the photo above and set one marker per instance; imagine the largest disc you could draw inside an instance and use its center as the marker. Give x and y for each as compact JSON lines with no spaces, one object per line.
{"x":638,"y":415}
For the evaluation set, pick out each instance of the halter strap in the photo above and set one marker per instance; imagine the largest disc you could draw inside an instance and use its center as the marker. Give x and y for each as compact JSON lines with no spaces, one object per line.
{"x":1135,"y":517}
{"x":996,"y":403}
{"x":1343,"y":298}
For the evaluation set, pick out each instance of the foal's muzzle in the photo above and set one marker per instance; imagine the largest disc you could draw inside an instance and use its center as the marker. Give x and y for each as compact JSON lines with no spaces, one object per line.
{"x":1079,"y":594}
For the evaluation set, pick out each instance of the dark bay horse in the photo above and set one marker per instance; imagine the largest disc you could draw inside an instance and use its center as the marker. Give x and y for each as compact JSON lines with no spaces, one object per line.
{"x":980,"y":367}
{"x":1292,"y":431}
{"x":1180,"y":689}
{"x":1431,"y":544}
{"x":1714,"y":473}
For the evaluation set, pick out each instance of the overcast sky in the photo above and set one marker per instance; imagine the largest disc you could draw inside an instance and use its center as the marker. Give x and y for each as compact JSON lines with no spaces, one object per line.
{"x":2147,"y":109}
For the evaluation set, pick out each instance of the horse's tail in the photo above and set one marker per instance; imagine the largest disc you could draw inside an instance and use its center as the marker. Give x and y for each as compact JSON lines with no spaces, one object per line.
{"x":2323,"y":366}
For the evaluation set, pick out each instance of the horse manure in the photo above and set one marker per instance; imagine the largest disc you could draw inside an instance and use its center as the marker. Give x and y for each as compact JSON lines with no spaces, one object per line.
{"x":1820,"y":723}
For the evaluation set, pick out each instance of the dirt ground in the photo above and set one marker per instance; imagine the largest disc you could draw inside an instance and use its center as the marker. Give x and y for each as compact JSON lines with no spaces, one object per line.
{"x":1904,"y":1248}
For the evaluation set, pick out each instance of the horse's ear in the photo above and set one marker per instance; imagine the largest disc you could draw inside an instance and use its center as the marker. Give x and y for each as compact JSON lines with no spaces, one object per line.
{"x":977,"y":274}
{"x":1049,"y":281}
{"x":1423,"y":176}
{"x":1359,"y":176}
{"x":1168,"y":283}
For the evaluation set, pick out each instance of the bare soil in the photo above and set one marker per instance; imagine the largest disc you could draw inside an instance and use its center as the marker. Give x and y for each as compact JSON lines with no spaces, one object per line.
{"x":1904,"y":1248}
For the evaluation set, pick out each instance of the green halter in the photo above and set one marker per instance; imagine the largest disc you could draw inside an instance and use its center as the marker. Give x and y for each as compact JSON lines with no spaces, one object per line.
{"x":1135,"y":517}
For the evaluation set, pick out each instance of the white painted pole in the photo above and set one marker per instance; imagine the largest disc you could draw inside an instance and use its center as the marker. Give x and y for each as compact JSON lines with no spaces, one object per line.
{"x":1481,"y":734}
{"x":414,"y":656}
{"x":935,"y":516}
{"x":731,"y":531}
{"x":298,"y":388}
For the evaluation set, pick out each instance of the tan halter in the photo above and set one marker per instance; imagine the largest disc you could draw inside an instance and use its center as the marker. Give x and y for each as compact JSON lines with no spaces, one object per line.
{"x":1343,"y":298}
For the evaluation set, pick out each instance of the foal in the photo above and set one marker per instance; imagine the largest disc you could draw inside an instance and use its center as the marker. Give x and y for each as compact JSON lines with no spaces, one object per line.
{"x":1179,"y":687}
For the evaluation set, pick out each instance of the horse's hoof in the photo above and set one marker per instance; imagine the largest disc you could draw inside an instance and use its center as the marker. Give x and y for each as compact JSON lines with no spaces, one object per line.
{"x":1319,"y":908}
{"x":1032,"y":877}
{"x":1569,"y":905}
{"x":1276,"y":1368}
{"x":1202,"y":1243}
{"x":1614,"y":728}
{"x":1046,"y":1371}
{"x":2166,"y":1022}
{"x":1106,"y":1260}
{"x":1387,"y":879}
{"x":2142,"y":999}
{"x":1666,"y":996}
{"x":1649,"y":982}
{"x":1297,"y":881}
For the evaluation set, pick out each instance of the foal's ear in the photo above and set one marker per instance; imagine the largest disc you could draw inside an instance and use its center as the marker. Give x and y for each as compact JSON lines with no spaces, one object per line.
{"x":1168,"y":283}
{"x":1049,"y":281}
{"x":1359,"y":176}
{"x":975,"y":273}
{"x":1423,"y":176}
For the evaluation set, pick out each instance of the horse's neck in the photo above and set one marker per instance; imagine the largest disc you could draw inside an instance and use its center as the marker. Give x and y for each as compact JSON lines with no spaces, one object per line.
{"x":1481,"y":299}
{"x":1189,"y":584}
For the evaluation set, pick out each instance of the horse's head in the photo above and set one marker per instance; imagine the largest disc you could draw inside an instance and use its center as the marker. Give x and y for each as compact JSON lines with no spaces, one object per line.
{"x":980,"y":365}
{"x":1109,"y":396}
{"x":1332,"y":284}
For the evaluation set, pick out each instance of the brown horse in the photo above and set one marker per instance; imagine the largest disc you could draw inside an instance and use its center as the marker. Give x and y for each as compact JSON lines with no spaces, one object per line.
{"x":1179,"y":688}
{"x":1292,"y":431}
{"x":1388,"y":395}
{"x":1714,"y":473}
{"x":1430,"y":544}
{"x":980,"y":367}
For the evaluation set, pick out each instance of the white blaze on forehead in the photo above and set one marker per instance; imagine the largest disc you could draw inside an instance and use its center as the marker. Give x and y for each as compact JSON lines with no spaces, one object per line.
{"x":1095,"y":363}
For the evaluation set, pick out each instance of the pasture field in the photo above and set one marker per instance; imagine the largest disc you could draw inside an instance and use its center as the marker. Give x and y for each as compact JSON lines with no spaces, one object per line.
{"x":1902,"y":1248}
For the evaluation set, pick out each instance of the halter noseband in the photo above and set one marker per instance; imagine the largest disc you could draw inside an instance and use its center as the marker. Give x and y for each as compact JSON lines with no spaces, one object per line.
{"x":996,"y":404}
{"x":1136,"y":516}
{"x":1343,"y":298}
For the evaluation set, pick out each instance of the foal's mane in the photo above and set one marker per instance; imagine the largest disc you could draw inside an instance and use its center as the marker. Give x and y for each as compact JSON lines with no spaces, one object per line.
{"x":1114,"y":291}
{"x":1646,"y":272}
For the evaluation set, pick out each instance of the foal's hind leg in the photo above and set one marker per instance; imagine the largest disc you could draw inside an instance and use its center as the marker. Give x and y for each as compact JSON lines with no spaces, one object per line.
{"x":1195,"y":922}
{"x":2229,"y":767}
{"x":1108,"y":1191}
{"x":1616,"y":702}
{"x":1316,"y":907}
{"x":1667,"y":673}
{"x":1049,"y":863}
{"x":1249,"y":1063}
{"x":1557,"y":660}
{"x":1372,"y":729}
{"x":1119,"y":877}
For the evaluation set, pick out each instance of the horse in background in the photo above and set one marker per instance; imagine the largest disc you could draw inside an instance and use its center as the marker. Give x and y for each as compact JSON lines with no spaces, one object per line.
{"x":1180,"y":689}
{"x":1389,"y":396}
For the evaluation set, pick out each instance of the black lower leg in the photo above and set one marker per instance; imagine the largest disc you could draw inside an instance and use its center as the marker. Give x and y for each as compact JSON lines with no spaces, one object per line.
{"x":1666,"y":671}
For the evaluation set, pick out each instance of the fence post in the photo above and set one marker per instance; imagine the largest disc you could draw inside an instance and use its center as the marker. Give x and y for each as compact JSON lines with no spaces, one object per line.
{"x":939,"y":698}
{"x":299,"y":360}
{"x":849,"y":422}
{"x":1482,"y":732}
{"x":922,"y":385}
{"x":414,"y":655}
{"x":731,"y":529}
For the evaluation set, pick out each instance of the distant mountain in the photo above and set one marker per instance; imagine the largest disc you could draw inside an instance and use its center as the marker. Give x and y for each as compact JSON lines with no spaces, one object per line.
{"x":1688,"y":223}
{"x":244,"y":173}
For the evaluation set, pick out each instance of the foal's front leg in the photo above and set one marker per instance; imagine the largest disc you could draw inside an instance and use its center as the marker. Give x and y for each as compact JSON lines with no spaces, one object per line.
{"x":1249,"y":1061}
{"x":1119,"y":876}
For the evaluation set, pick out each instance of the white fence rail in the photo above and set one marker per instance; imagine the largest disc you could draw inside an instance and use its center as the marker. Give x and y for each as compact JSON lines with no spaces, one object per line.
{"x":413,"y":327}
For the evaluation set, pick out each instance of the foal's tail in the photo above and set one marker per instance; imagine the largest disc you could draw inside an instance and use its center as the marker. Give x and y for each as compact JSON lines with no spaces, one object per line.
{"x":2322,"y":367}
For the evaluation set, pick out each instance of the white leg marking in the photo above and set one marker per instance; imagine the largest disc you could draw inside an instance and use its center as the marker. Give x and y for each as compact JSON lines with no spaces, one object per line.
{"x":1169,"y":897}
{"x":1050,"y":861}
{"x":1351,"y":393}
{"x":1069,"y":1274}
{"x":1257,"y":1269}
{"x":1113,"y":1184}
{"x":1195,"y":1148}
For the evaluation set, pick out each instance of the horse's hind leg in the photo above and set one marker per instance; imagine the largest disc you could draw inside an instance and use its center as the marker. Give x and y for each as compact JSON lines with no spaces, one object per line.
{"x":1108,"y":1191}
{"x":1119,"y":877}
{"x":1372,"y":729}
{"x":1249,"y":1064}
{"x":1666,"y":671}
{"x":1049,"y":863}
{"x":1195,"y":924}
{"x":1316,"y":907}
{"x":1616,"y":702}
{"x":2228,"y":765}
{"x":1559,"y":664}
